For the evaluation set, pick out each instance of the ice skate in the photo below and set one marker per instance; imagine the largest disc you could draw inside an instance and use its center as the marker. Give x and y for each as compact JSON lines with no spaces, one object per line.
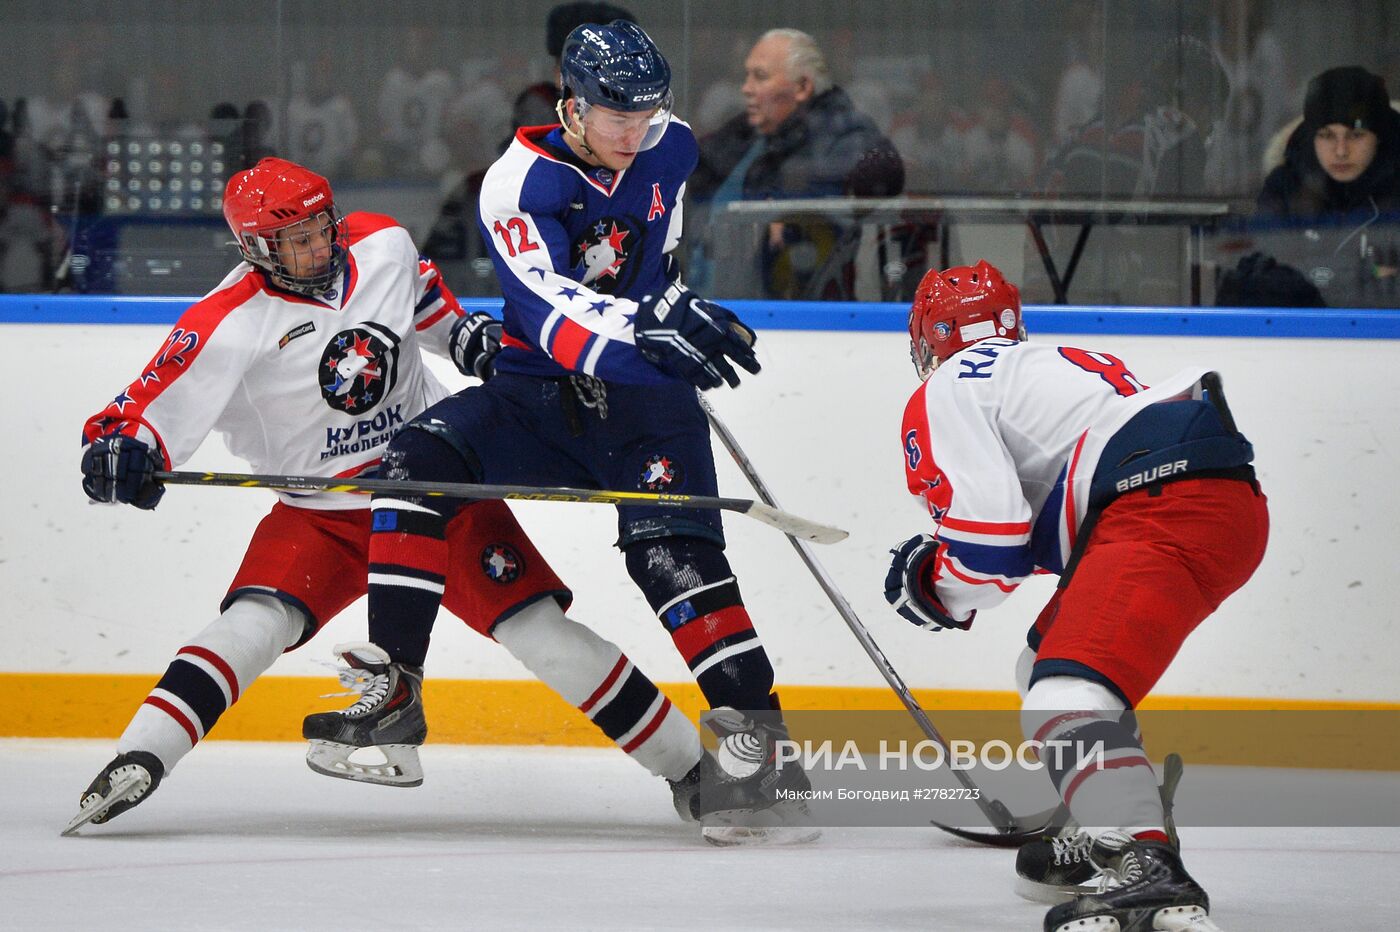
{"x":1055,"y":869}
{"x":122,"y":784}
{"x":1143,"y":887}
{"x":757,"y":802}
{"x":388,"y":716}
{"x":686,"y":791}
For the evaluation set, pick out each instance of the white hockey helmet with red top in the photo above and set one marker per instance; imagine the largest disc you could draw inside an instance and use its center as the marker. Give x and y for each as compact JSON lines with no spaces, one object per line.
{"x":264,"y":203}
{"x":956,"y":308}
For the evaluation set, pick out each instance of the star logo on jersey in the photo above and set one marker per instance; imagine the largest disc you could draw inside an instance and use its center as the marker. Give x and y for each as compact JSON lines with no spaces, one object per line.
{"x":602,"y":253}
{"x":659,"y":473}
{"x":359,"y":367}
{"x":501,"y":563}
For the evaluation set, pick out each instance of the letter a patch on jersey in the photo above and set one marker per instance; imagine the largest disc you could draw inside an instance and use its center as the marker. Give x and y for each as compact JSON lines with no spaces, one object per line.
{"x":658,"y":209}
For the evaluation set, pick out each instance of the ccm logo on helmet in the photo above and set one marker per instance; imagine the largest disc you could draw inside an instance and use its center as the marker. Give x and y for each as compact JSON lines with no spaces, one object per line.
{"x":653,"y":96}
{"x":311,"y":200}
{"x":596,"y":39}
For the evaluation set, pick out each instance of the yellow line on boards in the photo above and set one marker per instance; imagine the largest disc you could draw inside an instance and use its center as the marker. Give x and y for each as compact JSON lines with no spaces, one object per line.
{"x":82,"y":705}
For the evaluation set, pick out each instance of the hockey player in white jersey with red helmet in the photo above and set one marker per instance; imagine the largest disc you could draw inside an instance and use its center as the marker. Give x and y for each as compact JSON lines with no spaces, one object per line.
{"x":1033,"y":457}
{"x":307,"y":358}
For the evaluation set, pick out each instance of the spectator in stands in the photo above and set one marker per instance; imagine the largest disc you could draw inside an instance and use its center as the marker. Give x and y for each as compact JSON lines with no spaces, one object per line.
{"x":1344,"y":156}
{"x":999,"y":148}
{"x":29,"y":241}
{"x":1321,"y":235}
{"x":412,"y":104}
{"x":799,"y":137}
{"x":929,"y":137}
{"x":454,"y":242}
{"x":322,"y":129}
{"x":1151,"y":139}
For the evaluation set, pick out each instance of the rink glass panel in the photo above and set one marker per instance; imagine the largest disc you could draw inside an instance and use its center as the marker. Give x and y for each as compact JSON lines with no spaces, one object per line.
{"x":400,"y":105}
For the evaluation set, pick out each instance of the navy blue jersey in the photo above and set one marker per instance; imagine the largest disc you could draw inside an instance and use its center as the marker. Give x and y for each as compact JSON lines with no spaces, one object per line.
{"x":577,"y":246}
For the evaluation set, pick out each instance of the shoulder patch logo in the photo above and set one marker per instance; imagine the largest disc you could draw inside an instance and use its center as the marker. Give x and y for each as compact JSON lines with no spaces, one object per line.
{"x":300,"y":330}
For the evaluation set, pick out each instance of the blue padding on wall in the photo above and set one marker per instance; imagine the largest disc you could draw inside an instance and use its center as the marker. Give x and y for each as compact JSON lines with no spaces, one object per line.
{"x":834,"y":315}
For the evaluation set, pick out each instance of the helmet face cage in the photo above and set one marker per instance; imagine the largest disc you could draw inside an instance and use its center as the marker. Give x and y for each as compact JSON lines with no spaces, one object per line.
{"x":284,"y":219}
{"x":954,"y":309}
{"x":618,"y":68}
{"x":286,"y":250}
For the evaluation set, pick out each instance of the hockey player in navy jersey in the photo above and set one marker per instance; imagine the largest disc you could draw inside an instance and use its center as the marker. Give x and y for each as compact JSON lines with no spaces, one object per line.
{"x":1032,"y":458}
{"x":308,"y":357}
{"x":594,"y":386}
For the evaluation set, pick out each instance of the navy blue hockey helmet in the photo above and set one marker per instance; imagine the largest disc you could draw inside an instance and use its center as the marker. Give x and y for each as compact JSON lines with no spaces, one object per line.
{"x":615,"y":66}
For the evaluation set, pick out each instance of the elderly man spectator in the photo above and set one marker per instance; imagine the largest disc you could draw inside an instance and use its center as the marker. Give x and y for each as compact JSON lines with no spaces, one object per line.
{"x":799,"y":134}
{"x":798,"y":137}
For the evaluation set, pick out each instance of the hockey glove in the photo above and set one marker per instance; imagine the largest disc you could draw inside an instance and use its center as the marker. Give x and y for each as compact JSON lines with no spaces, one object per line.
{"x":122,"y":469}
{"x":684,"y":334}
{"x":909,"y":585}
{"x":475,"y":341}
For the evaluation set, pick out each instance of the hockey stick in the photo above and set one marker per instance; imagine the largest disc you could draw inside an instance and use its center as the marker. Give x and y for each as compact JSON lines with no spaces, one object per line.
{"x":766,"y":514}
{"x":1011,"y":830}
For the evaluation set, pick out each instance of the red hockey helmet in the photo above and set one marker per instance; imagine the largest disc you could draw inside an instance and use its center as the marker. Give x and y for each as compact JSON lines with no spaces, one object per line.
{"x":263,"y":203}
{"x":954,"y":309}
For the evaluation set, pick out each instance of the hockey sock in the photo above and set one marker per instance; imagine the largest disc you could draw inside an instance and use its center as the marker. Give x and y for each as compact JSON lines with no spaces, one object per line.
{"x":594,"y":674}
{"x":407,"y":544}
{"x":691,"y":588}
{"x":209,"y":674}
{"x":407,"y":575}
{"x":1094,"y":755}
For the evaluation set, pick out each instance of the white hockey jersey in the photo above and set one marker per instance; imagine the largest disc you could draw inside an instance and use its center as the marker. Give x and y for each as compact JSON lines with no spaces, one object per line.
{"x":297,"y":385}
{"x":1002,"y":443}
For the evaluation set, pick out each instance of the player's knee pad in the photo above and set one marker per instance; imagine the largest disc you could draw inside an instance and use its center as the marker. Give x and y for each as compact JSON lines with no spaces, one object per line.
{"x":430,"y":450}
{"x":670,"y":569}
{"x":648,"y":528}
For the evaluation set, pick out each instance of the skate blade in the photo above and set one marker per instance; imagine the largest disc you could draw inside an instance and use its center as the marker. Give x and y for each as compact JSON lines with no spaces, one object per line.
{"x":733,"y":836}
{"x":1170,"y":919}
{"x":121,"y":789}
{"x":1048,"y":893}
{"x":401,"y":766}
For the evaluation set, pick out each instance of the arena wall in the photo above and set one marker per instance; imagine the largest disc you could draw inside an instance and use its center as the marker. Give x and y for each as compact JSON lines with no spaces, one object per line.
{"x":97,"y":598}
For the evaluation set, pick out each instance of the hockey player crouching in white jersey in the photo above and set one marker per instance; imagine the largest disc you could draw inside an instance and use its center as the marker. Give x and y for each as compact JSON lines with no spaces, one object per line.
{"x":308,"y":358}
{"x":1035,"y":457}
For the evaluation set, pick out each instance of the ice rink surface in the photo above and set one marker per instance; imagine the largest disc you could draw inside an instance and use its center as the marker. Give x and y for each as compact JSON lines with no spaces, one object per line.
{"x":243,"y":836}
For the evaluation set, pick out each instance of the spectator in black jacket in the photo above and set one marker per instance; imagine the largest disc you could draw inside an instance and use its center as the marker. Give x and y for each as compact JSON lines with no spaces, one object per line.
{"x":799,"y":137}
{"x":1344,"y":156}
{"x":1326,"y":230}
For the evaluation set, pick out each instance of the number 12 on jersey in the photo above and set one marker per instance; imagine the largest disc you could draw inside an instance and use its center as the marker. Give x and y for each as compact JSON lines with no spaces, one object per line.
{"x":517,"y":226}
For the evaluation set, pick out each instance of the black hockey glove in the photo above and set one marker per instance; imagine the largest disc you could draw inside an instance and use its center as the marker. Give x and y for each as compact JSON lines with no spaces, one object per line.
{"x":684,"y":334}
{"x":122,"y":469}
{"x":909,"y":585}
{"x":475,"y":341}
